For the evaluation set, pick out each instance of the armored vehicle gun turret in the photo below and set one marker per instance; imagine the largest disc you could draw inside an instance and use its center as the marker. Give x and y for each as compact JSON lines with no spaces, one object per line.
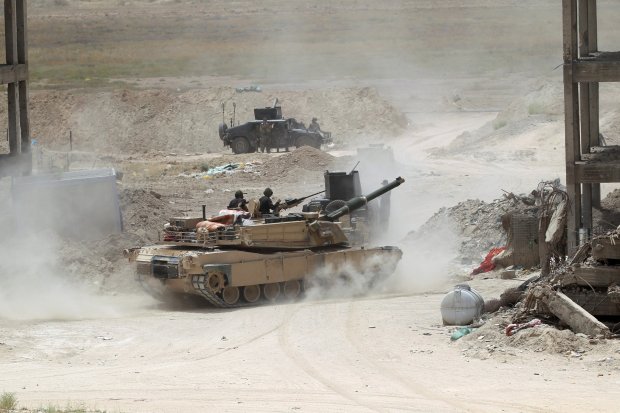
{"x":232,"y":260}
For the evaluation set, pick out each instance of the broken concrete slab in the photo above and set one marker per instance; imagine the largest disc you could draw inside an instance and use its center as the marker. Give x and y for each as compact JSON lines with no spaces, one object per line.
{"x":578,"y":319}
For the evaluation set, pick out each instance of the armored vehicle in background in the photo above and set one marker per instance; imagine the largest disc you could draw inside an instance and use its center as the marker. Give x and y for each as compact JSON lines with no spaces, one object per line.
{"x":284,"y":133}
{"x":232,"y":260}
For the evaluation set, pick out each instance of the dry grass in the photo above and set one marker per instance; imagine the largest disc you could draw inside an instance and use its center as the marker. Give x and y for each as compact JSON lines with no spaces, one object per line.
{"x":87,"y":43}
{"x":8,"y":402}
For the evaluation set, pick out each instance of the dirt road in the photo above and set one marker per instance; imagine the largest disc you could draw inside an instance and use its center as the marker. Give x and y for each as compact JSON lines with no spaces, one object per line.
{"x":381,"y":353}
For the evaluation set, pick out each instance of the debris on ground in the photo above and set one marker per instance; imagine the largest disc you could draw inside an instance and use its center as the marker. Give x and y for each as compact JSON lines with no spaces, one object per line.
{"x":460,"y":332}
{"x":488,"y":264}
{"x":229,"y":168}
{"x":577,"y":296}
{"x":250,"y":88}
{"x":511,"y":329}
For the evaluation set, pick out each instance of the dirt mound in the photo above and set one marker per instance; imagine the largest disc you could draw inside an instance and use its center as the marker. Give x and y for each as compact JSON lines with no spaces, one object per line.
{"x":144,"y":213}
{"x":186,"y":121}
{"x":527,"y":129}
{"x":305,"y":157}
{"x":612,"y":200}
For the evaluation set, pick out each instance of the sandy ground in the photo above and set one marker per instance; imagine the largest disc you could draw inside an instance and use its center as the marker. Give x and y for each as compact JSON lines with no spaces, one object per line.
{"x":380,"y":352}
{"x":457,"y":135}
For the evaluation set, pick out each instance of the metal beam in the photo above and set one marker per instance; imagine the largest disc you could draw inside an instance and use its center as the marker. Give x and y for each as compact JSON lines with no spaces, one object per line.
{"x":13,"y":73}
{"x":22,"y":58}
{"x":10,"y":32}
{"x":597,"y":70}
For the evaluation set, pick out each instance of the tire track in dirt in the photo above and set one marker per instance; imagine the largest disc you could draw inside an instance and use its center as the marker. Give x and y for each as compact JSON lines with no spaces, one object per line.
{"x":288,"y":348}
{"x":418,"y":388}
{"x":388,"y":374}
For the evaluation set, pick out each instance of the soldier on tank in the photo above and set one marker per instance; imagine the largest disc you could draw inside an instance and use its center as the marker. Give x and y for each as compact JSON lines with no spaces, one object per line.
{"x":266,"y":205}
{"x":238,"y":202}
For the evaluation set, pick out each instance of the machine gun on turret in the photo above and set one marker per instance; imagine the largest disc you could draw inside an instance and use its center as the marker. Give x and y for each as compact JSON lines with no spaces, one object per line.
{"x":293,"y":202}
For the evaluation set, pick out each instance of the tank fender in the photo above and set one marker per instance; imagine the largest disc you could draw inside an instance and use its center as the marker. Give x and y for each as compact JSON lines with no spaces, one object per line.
{"x":223,"y":268}
{"x":187,"y":262}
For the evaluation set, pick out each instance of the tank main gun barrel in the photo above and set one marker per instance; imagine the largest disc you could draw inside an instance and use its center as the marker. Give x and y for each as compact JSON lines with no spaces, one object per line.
{"x":360,"y":201}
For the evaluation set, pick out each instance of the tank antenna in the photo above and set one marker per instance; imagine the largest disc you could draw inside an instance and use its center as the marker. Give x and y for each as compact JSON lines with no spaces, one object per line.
{"x":354,"y":168}
{"x":223,"y":115}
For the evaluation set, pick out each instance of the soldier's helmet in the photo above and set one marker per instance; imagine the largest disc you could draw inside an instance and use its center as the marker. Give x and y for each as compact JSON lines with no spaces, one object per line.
{"x":314,"y":119}
{"x":239,"y":194}
{"x":267,"y":192}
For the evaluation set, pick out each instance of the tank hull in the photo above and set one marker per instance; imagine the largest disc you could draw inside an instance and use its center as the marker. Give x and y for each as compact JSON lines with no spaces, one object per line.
{"x":232,"y":278}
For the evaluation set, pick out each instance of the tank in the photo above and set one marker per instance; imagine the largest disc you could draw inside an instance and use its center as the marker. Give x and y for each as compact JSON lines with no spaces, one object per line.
{"x":461,"y":306}
{"x":231,"y":261}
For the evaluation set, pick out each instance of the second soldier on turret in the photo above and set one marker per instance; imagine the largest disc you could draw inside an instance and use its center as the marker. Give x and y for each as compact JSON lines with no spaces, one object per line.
{"x":266,"y":205}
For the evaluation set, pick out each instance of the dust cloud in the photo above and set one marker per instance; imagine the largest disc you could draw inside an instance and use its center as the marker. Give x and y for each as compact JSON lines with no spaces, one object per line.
{"x":428,"y":262}
{"x":348,"y":281}
{"x":46,"y":277}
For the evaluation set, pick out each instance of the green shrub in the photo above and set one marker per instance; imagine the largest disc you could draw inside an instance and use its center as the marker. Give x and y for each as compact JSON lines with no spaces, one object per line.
{"x":535,"y":108}
{"x":8,"y":401}
{"x":498,"y":124}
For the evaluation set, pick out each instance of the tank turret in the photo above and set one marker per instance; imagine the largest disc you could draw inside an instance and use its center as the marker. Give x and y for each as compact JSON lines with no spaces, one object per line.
{"x":292,"y":232}
{"x":360,"y":201}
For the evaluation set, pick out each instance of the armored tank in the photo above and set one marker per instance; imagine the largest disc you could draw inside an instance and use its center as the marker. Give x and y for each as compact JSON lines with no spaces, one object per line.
{"x":231,"y":260}
{"x":283,"y":133}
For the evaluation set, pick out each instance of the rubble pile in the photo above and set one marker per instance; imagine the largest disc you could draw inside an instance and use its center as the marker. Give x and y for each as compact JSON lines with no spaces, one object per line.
{"x":490,"y":340}
{"x":478,"y":223}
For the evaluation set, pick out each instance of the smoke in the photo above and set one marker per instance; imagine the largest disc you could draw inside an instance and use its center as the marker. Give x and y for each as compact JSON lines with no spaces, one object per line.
{"x":43,"y":276}
{"x":428,"y":263}
{"x":34,"y":285}
{"x":350,"y":280}
{"x":429,"y":260}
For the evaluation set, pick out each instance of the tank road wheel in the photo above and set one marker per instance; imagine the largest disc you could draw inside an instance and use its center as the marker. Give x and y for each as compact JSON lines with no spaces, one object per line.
{"x":215,"y":282}
{"x":292,"y":288}
{"x":231,"y":295}
{"x":240,"y":145}
{"x":271,"y":291}
{"x":251,"y":293}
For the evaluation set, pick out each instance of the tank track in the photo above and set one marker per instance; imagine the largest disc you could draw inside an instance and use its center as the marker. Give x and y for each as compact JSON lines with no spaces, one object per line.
{"x":199,"y":281}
